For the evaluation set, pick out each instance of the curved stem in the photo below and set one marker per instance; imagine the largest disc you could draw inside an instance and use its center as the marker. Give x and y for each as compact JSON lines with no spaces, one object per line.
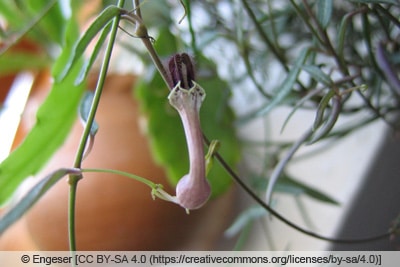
{"x":122,"y":173}
{"x":156,"y":189}
{"x":137,"y":19}
{"x":280,"y":217}
{"x":193,"y":41}
{"x":278,"y":54}
{"x":74,"y":179}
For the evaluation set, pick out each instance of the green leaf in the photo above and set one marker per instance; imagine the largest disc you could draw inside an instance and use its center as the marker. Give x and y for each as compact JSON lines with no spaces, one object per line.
{"x":53,"y":122}
{"x":32,"y":197}
{"x":298,"y":105}
{"x":324,"y":13}
{"x":43,"y":21}
{"x":52,"y":24}
{"x":13,"y":62}
{"x":317,"y":74}
{"x":23,"y":23}
{"x":243,"y":219}
{"x":344,"y":24}
{"x":79,"y":48}
{"x":84,"y":110}
{"x":164,"y":127}
{"x":330,"y":121}
{"x":10,"y":12}
{"x":323,"y":104}
{"x":88,"y":64}
{"x":283,"y":90}
{"x":290,"y":185}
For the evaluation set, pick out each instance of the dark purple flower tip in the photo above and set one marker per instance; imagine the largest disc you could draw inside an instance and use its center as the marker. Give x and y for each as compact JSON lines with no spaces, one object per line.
{"x":181,"y":70}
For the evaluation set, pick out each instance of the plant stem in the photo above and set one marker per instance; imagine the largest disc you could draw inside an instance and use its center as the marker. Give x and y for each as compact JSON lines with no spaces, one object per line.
{"x":278,"y":54}
{"x":126,"y":174}
{"x":280,"y":217}
{"x":74,"y":179}
{"x":157,"y":62}
{"x":149,"y":46}
{"x":193,"y":41}
{"x":73,"y":182}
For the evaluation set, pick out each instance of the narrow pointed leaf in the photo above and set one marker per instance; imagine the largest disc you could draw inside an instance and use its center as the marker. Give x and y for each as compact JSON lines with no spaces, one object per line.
{"x":297,"y":106}
{"x":88,"y":64}
{"x":54,"y":120}
{"x":243,"y":219}
{"x":344,"y":24}
{"x":288,"y":184}
{"x":99,"y":23}
{"x":52,"y":22}
{"x":324,"y":13}
{"x":330,"y":122}
{"x":283,"y":90}
{"x":31,"y":197}
{"x":319,"y":117}
{"x":84,"y":110}
{"x":317,"y":74}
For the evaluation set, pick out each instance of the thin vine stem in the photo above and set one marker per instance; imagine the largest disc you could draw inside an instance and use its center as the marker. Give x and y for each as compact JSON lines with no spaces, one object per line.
{"x":74,"y":179}
{"x":264,"y":36}
{"x":122,"y":173}
{"x":388,"y":15}
{"x":193,"y":40}
{"x":280,"y":217}
{"x":148,"y":44}
{"x":306,"y":21}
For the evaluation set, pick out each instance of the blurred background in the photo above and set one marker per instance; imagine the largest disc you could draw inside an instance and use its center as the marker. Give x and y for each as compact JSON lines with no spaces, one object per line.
{"x":303,"y":95}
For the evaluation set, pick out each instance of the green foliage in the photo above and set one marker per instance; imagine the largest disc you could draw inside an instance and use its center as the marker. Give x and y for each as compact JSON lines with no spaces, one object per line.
{"x":79,"y":48}
{"x":324,"y":13}
{"x":84,"y":110}
{"x":291,"y":186}
{"x":29,"y":199}
{"x":42,"y":21}
{"x":53,"y":122}
{"x":52,"y":24}
{"x":342,"y":40}
{"x":283,"y":90}
{"x":13,"y":62}
{"x":245,"y":218}
{"x":22,"y":21}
